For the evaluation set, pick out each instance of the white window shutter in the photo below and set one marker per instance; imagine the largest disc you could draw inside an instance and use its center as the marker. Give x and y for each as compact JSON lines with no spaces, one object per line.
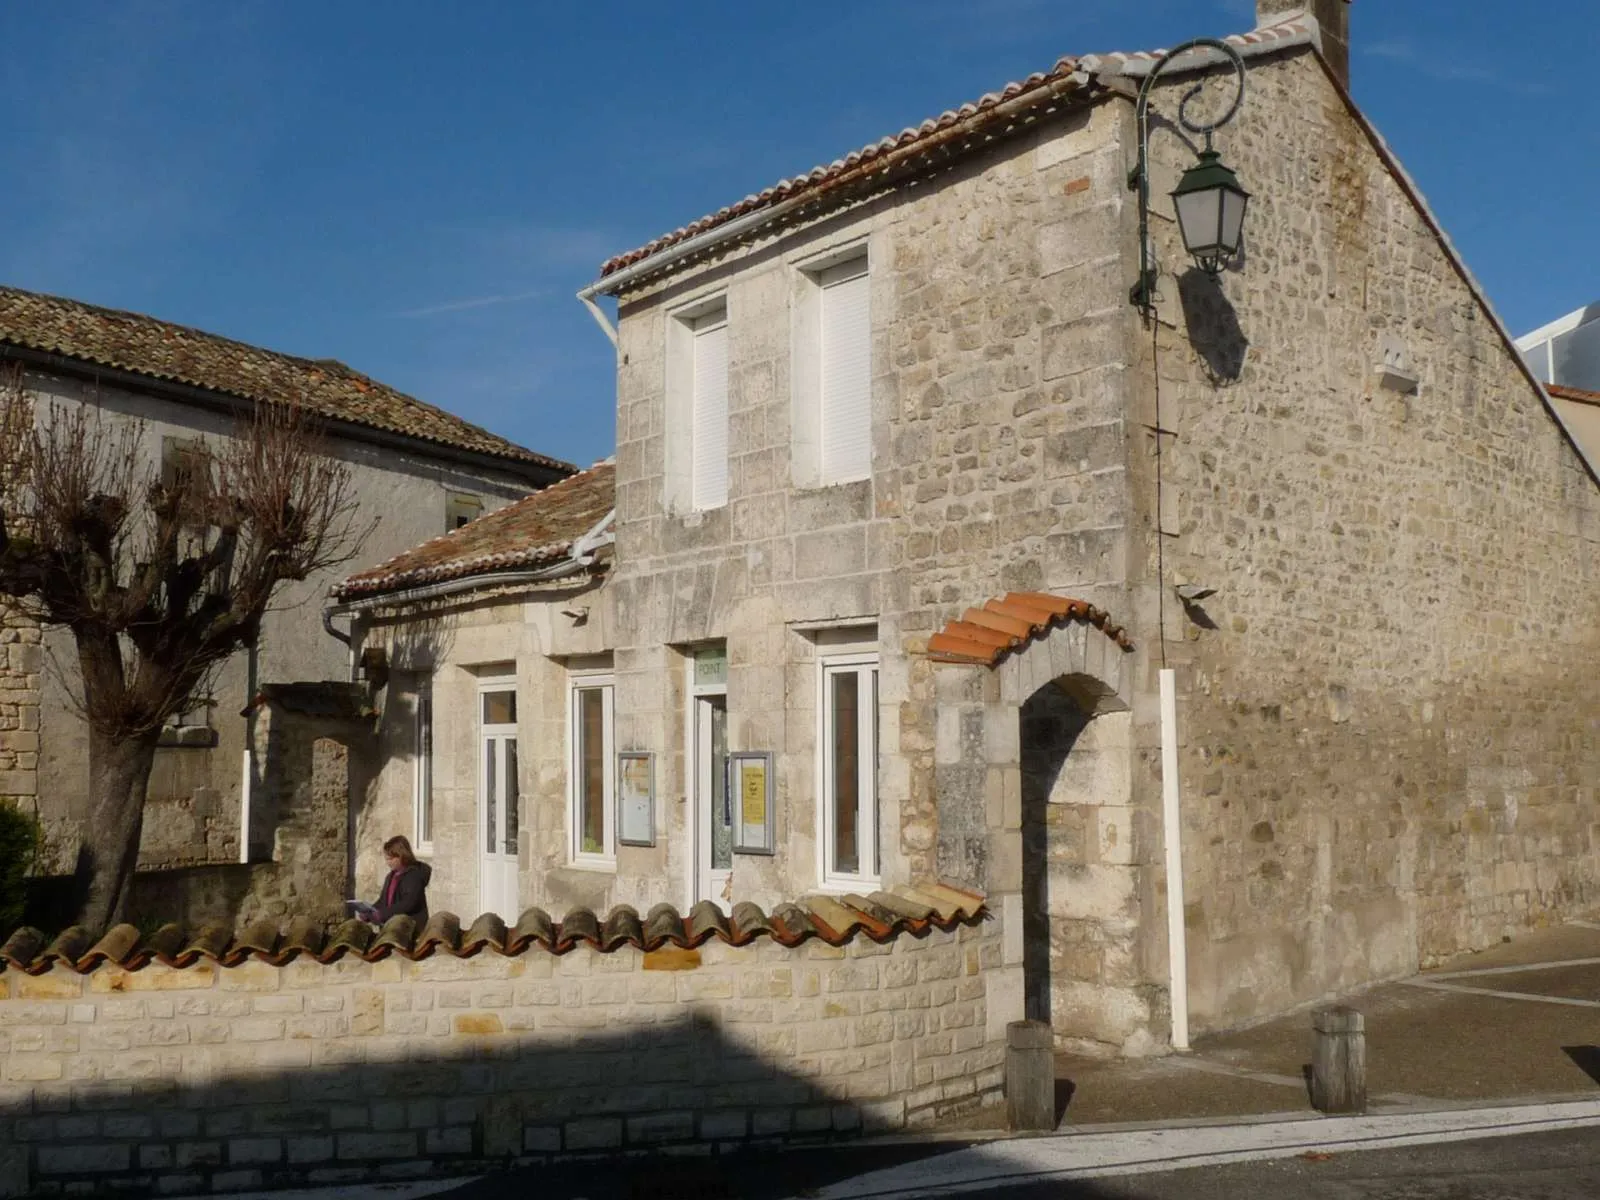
{"x":846,"y":374}
{"x":709,"y":448}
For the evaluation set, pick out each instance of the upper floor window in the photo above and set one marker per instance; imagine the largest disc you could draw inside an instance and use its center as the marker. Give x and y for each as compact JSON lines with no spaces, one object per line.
{"x":461,"y":509}
{"x":846,"y":427}
{"x":832,"y":372}
{"x":696,"y":466}
{"x":709,"y":449}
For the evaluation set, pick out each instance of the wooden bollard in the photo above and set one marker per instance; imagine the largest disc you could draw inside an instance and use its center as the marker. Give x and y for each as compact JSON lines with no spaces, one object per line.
{"x":1030,"y":1076}
{"x":1339,"y":1061}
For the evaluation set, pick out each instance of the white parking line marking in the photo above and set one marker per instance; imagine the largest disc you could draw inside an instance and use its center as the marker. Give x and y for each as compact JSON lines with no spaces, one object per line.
{"x":1538,"y":966}
{"x":1472,"y":991}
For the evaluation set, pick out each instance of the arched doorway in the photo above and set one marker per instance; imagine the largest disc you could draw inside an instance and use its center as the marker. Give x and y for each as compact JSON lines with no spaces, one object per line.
{"x":1061,"y":862}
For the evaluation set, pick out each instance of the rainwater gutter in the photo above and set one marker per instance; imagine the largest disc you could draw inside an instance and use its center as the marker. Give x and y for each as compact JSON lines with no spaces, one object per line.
{"x":580,"y":556}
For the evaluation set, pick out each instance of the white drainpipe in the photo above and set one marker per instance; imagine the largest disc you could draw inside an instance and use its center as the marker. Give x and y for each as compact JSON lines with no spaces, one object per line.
{"x":1172,"y":831}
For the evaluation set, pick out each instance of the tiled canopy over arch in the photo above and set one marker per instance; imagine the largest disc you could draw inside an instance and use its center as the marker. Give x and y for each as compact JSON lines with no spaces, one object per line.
{"x":1033,"y":638}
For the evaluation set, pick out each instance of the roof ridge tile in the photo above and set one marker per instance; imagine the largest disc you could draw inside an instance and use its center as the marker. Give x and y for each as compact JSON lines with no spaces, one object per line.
{"x":1077,"y":71}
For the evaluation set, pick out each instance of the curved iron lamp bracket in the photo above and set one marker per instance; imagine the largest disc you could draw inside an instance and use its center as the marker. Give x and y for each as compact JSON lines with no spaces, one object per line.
{"x":1143,"y":293}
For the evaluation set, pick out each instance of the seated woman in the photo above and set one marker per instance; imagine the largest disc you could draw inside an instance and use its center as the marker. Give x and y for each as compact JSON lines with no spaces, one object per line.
{"x":405,"y":887}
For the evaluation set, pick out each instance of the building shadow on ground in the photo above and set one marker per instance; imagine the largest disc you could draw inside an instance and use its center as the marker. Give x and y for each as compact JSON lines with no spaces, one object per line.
{"x":820,"y":1171}
{"x":1586,"y":1059}
{"x":685,"y":1106}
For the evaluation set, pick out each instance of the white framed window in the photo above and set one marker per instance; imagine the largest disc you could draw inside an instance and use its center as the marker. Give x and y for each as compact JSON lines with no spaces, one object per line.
{"x":709,"y":451}
{"x":696,"y":430}
{"x":845,"y":426}
{"x":591,"y":775}
{"x":831,"y":371}
{"x":847,"y":766}
{"x":423,"y":783}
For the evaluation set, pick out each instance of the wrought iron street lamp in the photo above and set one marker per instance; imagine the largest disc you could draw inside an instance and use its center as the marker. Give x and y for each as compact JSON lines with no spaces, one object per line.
{"x":1209,"y":201}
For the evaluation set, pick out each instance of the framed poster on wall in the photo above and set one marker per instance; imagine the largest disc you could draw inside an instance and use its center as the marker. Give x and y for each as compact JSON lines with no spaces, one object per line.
{"x":751,"y":787}
{"x":636,"y":798}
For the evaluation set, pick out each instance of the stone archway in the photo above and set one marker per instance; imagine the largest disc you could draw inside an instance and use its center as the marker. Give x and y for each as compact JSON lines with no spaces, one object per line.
{"x":1033,"y":775}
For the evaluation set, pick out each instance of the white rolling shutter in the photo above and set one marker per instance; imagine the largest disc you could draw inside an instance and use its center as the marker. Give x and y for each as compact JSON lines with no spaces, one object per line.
{"x":709,"y":449}
{"x":846,"y":374}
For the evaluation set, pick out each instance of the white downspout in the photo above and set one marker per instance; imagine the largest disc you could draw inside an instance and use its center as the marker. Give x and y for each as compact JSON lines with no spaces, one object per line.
{"x":244,"y":806}
{"x":1172,"y":831}
{"x":599,"y":314}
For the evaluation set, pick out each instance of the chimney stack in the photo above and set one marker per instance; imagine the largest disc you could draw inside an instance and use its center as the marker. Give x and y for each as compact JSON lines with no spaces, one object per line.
{"x":1334,"y":18}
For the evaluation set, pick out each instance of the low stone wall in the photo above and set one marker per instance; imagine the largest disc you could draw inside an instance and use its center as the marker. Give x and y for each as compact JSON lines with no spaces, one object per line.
{"x":218,"y":894}
{"x":214,"y":1078}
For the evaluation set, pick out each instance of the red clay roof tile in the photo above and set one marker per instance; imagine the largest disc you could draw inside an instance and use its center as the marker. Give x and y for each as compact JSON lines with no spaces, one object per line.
{"x":158,"y":349}
{"x":983,"y":637}
{"x":958,"y":131}
{"x":531,"y":532}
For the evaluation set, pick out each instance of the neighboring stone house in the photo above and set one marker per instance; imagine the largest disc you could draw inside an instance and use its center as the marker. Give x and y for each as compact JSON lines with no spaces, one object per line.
{"x":417,"y":471}
{"x":912,"y":507}
{"x":482,"y":648}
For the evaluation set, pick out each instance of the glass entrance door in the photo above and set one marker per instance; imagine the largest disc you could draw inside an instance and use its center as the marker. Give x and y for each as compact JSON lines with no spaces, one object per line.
{"x":498,"y":793}
{"x":713,"y":806}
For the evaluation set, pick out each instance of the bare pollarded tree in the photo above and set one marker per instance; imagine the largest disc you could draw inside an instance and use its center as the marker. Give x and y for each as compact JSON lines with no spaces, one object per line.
{"x":159,"y":575}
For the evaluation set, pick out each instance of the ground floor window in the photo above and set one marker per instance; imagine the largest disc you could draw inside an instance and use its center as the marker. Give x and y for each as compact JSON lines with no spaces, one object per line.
{"x":848,"y":714}
{"x":592,"y":777}
{"x":424,"y":779}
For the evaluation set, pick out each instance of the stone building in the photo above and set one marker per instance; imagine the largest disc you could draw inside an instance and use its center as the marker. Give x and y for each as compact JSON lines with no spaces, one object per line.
{"x":912,"y":507}
{"x":417,"y":471}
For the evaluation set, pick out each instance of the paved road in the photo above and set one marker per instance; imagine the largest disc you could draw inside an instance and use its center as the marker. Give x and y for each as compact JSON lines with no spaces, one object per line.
{"x":1546,"y":1166}
{"x":1562,"y":1165}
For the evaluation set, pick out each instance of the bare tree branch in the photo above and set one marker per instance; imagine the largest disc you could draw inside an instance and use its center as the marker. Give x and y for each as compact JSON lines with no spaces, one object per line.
{"x":160,"y":576}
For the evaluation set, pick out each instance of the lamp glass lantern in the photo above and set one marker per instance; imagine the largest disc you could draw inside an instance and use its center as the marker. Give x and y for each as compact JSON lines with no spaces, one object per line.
{"x":1210,"y":205}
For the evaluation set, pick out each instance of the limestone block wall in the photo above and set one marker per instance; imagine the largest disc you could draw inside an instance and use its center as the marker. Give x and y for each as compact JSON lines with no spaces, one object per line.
{"x":1392,"y":740}
{"x":999,"y":445}
{"x":520,"y":634}
{"x":21,"y":661}
{"x":214,"y":1078}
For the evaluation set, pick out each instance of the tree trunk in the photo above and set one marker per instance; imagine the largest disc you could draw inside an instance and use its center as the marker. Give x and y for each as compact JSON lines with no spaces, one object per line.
{"x":119,"y":776}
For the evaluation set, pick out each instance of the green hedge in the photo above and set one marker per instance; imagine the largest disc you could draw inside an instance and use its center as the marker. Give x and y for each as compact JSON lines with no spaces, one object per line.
{"x":19,"y":848}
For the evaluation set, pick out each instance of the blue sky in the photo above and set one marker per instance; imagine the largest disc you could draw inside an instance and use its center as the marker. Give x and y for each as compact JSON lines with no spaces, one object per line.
{"x":418,"y":189}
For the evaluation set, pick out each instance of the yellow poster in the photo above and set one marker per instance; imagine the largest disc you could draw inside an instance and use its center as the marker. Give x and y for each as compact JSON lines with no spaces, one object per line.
{"x":753,"y":794}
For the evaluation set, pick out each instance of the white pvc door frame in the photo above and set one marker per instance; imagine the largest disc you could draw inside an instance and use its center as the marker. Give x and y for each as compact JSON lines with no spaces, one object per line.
{"x":499,"y":792}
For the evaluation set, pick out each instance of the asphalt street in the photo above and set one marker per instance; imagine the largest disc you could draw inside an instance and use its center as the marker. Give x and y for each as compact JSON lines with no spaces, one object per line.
{"x":1563,"y":1165}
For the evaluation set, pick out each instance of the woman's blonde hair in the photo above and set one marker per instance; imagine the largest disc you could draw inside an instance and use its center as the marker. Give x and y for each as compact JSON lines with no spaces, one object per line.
{"x":401,"y":849}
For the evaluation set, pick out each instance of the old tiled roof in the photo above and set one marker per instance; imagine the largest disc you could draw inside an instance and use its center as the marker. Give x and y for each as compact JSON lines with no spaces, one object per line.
{"x":957,"y":130}
{"x":984,"y":635}
{"x":146,"y":346}
{"x":532,"y":532}
{"x":881,"y":917}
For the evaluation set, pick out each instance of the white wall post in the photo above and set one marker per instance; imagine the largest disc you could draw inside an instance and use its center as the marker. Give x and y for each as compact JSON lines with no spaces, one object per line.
{"x":1172,"y":832}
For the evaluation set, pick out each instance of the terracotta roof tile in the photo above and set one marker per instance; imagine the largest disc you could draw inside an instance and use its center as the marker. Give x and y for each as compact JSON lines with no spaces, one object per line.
{"x":532,"y":532}
{"x":161,"y":350}
{"x":957,"y":130}
{"x":985,"y":635}
{"x":881,"y":917}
